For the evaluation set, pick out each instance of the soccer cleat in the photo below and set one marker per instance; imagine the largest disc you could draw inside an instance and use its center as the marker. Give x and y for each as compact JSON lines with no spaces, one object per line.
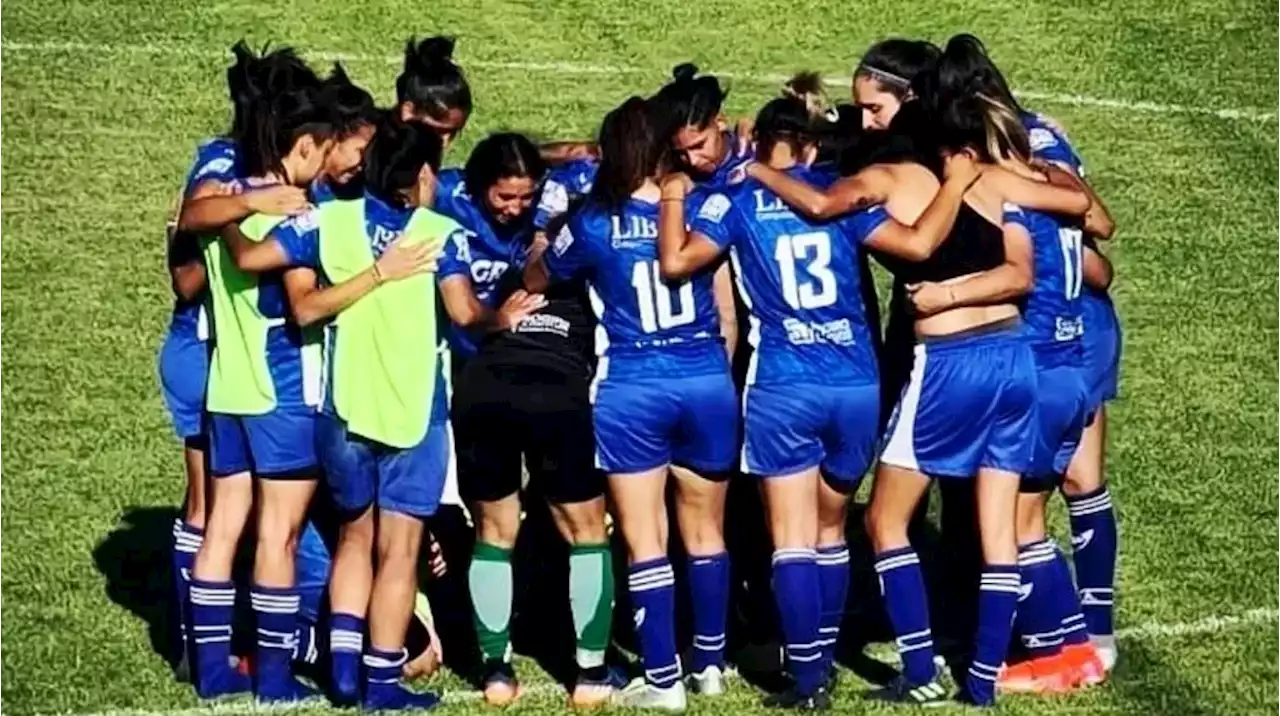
{"x":643,"y":695}
{"x":901,"y":691}
{"x":1107,"y":650}
{"x":708,"y":682}
{"x":394,"y":697}
{"x":1044,"y":675}
{"x":795,"y":701}
{"x":500,"y":685}
{"x":224,"y":682}
{"x":1084,"y":663}
{"x":291,"y":691}
{"x":596,"y":685}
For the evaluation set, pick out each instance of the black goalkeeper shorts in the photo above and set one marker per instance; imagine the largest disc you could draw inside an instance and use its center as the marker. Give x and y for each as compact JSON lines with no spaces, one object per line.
{"x":502,"y":414}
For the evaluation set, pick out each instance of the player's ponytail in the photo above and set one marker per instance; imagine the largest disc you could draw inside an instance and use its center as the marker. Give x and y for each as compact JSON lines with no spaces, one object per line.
{"x":688,"y":100}
{"x":630,"y":152}
{"x":971,"y":103}
{"x":807,"y":87}
{"x":431,"y":84}
{"x":394,"y":160}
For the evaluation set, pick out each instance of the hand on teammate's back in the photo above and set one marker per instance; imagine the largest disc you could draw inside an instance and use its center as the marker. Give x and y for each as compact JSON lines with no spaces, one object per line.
{"x":402,"y":260}
{"x":962,"y":167}
{"x":278,"y":200}
{"x":517,"y":306}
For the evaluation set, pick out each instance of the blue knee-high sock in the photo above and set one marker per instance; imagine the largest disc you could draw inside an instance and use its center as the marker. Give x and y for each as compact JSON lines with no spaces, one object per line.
{"x":213,"y":606}
{"x":1073,"y":627}
{"x":997,"y":603}
{"x":383,"y":691}
{"x":186,"y":543}
{"x":1039,"y":621}
{"x":796,"y":589}
{"x":709,"y":591}
{"x":902,"y":585}
{"x":833,"y":584}
{"x":276,"y":609}
{"x":311,"y":568}
{"x":1094,"y":540}
{"x":653,"y":604}
{"x":346,"y":645}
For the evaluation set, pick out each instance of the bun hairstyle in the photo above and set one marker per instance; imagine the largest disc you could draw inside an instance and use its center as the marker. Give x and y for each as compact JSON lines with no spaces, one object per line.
{"x":969,"y":101}
{"x":808,"y":88}
{"x":352,"y":106}
{"x":394,"y":160}
{"x":431,"y":82}
{"x":791,"y":120}
{"x":688,"y":100}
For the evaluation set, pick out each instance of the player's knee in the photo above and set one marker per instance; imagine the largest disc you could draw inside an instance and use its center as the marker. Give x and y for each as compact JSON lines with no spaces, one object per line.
{"x":498,"y":527}
{"x":1031,"y":519}
{"x":396,"y":552}
{"x":1081,"y":480}
{"x":581,"y":523}
{"x":885,"y":530}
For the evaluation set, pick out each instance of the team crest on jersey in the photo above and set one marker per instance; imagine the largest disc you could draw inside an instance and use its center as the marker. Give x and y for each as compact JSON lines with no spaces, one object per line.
{"x":221,"y":165}
{"x":563,"y":241}
{"x":1042,"y":139}
{"x":715,"y":208}
{"x":555,"y":198}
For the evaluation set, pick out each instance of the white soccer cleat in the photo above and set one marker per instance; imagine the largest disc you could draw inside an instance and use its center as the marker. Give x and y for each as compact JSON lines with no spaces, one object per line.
{"x":1108,"y":651}
{"x":708,"y":682}
{"x":643,"y":695}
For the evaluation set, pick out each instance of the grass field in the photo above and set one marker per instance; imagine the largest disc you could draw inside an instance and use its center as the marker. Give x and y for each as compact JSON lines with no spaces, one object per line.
{"x":1172,"y":104}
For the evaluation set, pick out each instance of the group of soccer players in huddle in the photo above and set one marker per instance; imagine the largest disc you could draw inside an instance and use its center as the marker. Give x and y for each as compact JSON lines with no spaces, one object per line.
{"x":351,"y":314}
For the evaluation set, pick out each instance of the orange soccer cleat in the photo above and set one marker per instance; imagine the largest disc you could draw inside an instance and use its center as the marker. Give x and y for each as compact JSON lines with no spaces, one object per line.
{"x":1084,"y":663}
{"x":1044,"y":675}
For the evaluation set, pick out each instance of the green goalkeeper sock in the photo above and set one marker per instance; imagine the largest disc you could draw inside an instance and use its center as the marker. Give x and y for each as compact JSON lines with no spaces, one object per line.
{"x":489,"y":580}
{"x":591,"y":598}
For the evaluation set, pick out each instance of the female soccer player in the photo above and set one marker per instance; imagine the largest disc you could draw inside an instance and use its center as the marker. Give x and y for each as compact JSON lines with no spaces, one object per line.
{"x":184,"y":357}
{"x":689,"y":119}
{"x":382,"y":434}
{"x":260,"y":398}
{"x":811,"y":406}
{"x":432,"y":90}
{"x":882,"y":79}
{"x":664,"y":400}
{"x":970,"y":406}
{"x":1093,"y":520}
{"x":524,"y":393}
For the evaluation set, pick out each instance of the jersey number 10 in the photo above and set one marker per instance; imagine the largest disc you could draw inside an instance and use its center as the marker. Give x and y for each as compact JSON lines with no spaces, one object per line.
{"x":1072,"y":262}
{"x":655,"y":299}
{"x":813,"y":247}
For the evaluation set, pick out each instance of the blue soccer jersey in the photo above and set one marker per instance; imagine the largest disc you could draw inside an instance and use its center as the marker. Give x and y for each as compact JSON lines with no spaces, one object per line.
{"x":812,"y":397}
{"x":642,"y":315}
{"x":1052,"y":313}
{"x":800,"y":280}
{"x":564,"y":184}
{"x":1102,"y":338}
{"x":663,"y":392}
{"x":484,"y":254}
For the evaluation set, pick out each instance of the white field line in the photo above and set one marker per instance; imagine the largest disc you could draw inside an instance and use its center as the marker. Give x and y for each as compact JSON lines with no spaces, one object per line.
{"x":1250,"y":114}
{"x":1153,"y":630}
